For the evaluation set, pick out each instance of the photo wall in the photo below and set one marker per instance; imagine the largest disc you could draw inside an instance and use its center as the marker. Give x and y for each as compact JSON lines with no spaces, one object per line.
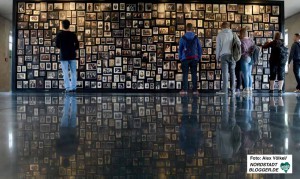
{"x":133,"y":46}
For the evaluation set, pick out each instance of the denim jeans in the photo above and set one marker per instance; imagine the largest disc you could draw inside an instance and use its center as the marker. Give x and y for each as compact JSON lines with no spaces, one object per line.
{"x":239,"y":76}
{"x":247,"y":69}
{"x":69,"y":112}
{"x":297,"y":74}
{"x":192,"y":65}
{"x":65,"y":68}
{"x":228,"y":63}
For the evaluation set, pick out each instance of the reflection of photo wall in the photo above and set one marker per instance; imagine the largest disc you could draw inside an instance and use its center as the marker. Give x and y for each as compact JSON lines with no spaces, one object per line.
{"x":135,"y":42}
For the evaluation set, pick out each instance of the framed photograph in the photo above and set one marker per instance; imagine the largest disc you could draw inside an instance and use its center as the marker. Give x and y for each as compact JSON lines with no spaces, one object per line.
{"x":248,"y":9}
{"x":275,"y":10}
{"x":232,"y":7}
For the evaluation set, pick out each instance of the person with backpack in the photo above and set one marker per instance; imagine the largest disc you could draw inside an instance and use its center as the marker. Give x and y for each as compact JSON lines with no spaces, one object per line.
{"x":295,"y":56}
{"x":190,"y":52}
{"x":247,"y":46}
{"x":277,"y":61}
{"x":68,"y":43}
{"x":227,"y":51}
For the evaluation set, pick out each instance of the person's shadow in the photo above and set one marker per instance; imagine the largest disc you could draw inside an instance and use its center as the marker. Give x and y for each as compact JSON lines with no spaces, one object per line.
{"x":190,"y":137}
{"x":68,"y":141}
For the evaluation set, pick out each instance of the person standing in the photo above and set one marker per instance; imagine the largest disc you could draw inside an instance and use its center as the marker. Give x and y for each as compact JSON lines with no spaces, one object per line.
{"x":247,"y":46}
{"x":223,"y":54}
{"x":190,"y":52}
{"x":295,"y":56}
{"x":277,"y":68}
{"x":68,"y":43}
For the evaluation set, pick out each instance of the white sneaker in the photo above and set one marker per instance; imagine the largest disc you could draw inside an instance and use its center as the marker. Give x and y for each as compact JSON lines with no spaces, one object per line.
{"x":246,"y":91}
{"x":297,"y":91}
{"x":220,"y":92}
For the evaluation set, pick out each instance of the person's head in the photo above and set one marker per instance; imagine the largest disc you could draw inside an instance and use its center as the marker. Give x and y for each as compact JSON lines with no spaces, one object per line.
{"x":296,"y":37}
{"x":225,"y":25}
{"x":189,"y":27}
{"x":243,"y":32}
{"x":66,"y":24}
{"x":277,"y":36}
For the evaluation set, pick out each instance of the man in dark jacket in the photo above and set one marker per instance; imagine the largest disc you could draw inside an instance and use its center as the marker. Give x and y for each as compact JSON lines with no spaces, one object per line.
{"x":190,"y":52}
{"x":68,"y":43}
{"x":295,"y":56}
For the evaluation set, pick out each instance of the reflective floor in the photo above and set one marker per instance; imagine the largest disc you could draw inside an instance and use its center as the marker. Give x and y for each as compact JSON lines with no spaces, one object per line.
{"x":144,"y":136}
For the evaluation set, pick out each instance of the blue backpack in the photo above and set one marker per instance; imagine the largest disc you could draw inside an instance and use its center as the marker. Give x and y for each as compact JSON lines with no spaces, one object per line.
{"x":191,"y":49}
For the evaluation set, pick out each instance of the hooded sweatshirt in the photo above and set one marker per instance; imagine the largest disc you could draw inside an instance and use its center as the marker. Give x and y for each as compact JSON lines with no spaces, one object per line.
{"x":224,"y":43}
{"x":182,"y":45}
{"x":295,"y":53}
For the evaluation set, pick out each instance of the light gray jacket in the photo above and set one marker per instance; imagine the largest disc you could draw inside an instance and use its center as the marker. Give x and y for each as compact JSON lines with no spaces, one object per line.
{"x":224,"y":43}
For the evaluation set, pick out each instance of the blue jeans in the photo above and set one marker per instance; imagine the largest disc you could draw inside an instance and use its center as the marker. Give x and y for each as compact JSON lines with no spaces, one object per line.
{"x":186,"y":65}
{"x":70,"y":109}
{"x":228,"y":63}
{"x":65,"y":68}
{"x":247,"y":69}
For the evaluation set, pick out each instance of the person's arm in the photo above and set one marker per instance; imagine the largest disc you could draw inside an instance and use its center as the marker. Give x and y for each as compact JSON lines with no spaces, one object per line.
{"x":181,"y":47}
{"x":267,"y":45}
{"x":199,"y":49}
{"x":58,"y":40}
{"x":218,"y":48}
{"x":76,"y":43}
{"x":292,"y":53}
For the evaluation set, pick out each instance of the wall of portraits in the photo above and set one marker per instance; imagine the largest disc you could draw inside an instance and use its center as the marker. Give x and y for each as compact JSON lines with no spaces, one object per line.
{"x":133,"y":46}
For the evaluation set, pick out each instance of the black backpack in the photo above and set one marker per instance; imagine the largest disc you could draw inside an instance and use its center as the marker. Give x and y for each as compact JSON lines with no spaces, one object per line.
{"x":255,"y":54}
{"x":191,"y":48}
{"x":283,"y":52}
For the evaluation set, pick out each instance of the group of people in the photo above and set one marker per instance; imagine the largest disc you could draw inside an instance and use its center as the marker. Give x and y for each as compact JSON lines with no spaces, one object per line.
{"x":190,"y":52}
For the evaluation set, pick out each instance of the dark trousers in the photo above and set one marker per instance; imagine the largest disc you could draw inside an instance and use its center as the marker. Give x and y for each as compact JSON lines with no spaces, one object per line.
{"x":192,"y":65}
{"x":239,"y":75}
{"x":277,"y":70}
{"x":297,"y":74}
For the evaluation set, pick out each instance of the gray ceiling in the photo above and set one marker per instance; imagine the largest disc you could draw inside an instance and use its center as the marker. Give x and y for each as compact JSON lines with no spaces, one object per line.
{"x":291,"y":7}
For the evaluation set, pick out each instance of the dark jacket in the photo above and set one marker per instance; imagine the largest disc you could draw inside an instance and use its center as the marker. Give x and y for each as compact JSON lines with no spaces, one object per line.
{"x":275,"y":54}
{"x":295,"y":53}
{"x":68,"y":43}
{"x":182,"y":45}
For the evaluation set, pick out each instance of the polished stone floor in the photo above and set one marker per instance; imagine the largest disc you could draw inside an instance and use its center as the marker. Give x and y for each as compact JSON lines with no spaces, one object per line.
{"x":144,"y":136}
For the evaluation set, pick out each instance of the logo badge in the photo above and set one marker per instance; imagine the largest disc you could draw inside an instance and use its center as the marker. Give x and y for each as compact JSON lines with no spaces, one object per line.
{"x":285,"y":166}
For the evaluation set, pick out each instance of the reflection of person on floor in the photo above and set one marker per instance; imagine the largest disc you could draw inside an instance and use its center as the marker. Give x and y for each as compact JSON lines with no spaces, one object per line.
{"x":277,"y":125}
{"x":190,"y":136}
{"x":296,"y":125}
{"x":250,"y":129}
{"x":68,"y":141}
{"x":228,"y":133}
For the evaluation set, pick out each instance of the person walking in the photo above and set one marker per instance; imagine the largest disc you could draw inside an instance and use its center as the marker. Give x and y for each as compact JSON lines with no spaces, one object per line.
{"x":277,"y":67}
{"x":190,"y":52}
{"x":295,"y":57}
{"x":68,"y":43}
{"x":247,"y":46}
{"x":223,"y":54}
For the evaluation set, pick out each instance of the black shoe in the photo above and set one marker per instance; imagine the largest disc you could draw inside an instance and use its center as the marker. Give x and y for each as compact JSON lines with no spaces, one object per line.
{"x":271,"y":91}
{"x":280,"y":91}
